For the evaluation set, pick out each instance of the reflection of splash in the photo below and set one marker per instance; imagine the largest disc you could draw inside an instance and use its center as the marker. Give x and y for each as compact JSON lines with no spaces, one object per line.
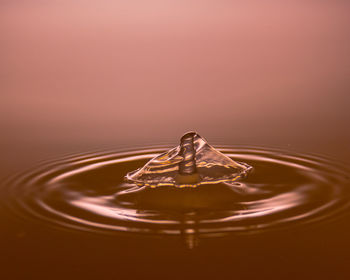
{"x":88,"y":193}
{"x":190,"y":232}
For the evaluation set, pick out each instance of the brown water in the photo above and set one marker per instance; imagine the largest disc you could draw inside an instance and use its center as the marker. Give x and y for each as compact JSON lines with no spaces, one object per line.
{"x":76,"y":217}
{"x":90,"y":91}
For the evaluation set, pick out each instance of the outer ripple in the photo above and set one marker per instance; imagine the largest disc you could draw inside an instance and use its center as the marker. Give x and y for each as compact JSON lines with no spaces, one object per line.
{"x":87,"y":192}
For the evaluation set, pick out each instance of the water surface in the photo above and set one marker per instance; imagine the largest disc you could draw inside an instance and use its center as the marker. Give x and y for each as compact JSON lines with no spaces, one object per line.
{"x":83,"y":200}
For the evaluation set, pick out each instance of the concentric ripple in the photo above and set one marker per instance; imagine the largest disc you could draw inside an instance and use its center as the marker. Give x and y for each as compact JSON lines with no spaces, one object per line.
{"x":87,"y":192}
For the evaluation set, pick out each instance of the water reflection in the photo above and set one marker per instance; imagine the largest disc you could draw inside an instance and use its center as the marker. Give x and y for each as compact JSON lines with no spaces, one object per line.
{"x":88,"y":193}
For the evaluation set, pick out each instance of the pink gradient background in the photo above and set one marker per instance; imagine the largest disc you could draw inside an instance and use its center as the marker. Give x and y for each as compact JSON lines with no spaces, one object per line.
{"x":84,"y":74}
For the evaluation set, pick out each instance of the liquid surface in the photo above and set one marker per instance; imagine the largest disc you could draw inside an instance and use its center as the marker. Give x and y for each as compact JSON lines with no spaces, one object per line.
{"x":88,"y":193}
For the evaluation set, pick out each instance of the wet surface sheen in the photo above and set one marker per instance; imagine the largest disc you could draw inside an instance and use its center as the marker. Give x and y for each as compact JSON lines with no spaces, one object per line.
{"x":87,"y":193}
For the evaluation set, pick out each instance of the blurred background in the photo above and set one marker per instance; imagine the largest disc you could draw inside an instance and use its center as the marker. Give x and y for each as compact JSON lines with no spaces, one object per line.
{"x":81,"y":75}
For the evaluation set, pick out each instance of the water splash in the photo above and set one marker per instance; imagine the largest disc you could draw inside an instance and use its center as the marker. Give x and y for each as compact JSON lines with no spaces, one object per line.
{"x":194,"y":162}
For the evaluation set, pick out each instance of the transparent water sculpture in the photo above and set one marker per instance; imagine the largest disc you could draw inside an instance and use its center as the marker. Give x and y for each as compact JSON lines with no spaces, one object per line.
{"x":194,"y":162}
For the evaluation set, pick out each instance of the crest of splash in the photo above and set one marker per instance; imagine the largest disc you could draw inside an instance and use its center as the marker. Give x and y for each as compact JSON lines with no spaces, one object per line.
{"x":194,"y":162}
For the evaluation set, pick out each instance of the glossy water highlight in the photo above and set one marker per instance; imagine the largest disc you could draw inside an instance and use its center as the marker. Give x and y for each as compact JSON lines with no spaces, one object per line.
{"x":88,"y":193}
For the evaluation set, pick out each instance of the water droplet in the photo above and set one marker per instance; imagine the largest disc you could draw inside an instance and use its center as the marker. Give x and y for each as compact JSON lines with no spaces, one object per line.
{"x":194,"y":162}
